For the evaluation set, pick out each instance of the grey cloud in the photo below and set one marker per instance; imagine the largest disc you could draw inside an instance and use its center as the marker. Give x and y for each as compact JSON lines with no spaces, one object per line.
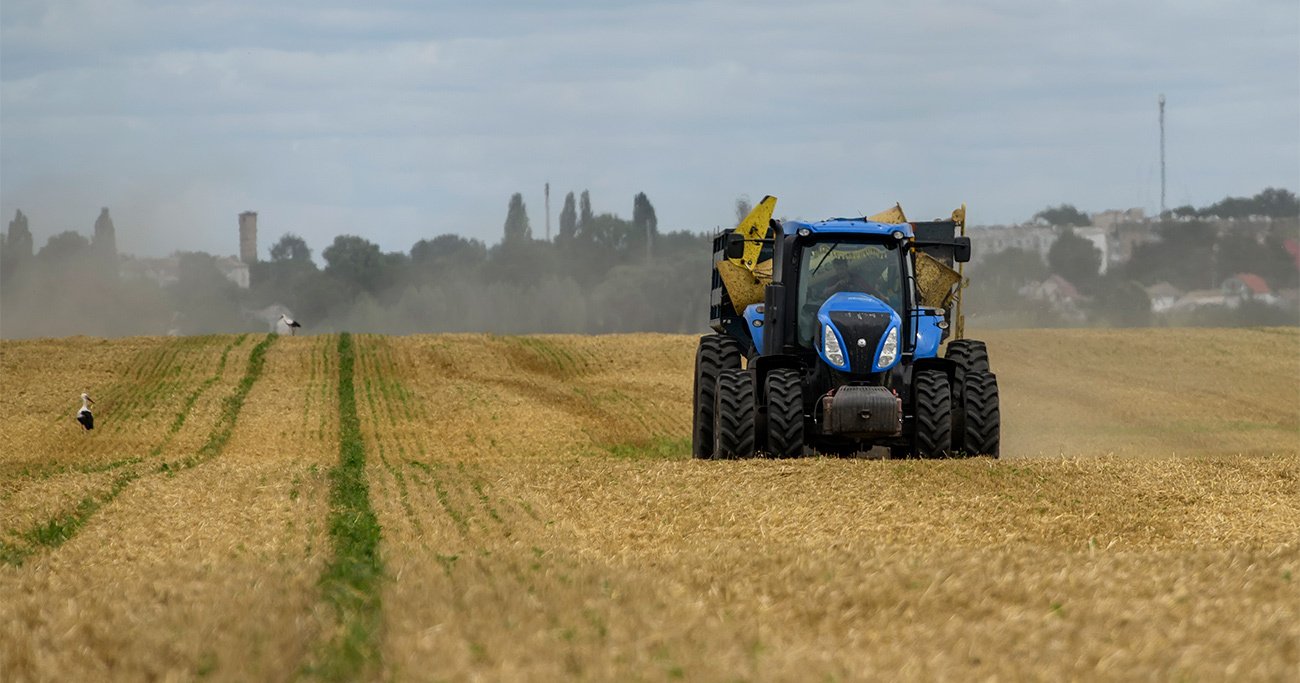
{"x":410,"y":119}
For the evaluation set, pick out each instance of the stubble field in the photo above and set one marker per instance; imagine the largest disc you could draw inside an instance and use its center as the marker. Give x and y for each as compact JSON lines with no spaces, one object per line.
{"x":502,"y":508}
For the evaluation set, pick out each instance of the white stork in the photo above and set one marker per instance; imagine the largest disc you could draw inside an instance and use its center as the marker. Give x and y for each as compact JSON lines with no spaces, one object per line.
{"x":289,"y":323}
{"x":84,"y":415}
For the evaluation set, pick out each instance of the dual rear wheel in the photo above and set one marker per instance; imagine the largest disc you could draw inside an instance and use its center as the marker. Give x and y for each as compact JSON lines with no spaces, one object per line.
{"x":961,"y":416}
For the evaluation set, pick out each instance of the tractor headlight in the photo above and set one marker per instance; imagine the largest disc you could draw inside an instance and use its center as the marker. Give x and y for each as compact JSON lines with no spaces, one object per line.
{"x":831,"y":347}
{"x":888,"y":350}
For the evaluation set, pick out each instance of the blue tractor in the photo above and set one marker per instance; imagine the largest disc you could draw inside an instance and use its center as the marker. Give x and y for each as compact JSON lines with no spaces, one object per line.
{"x":827,"y":339}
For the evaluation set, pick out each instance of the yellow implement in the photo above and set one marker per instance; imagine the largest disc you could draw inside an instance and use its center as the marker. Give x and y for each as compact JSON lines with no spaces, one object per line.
{"x":891,"y":216}
{"x":753,"y":228}
{"x":744,"y":278}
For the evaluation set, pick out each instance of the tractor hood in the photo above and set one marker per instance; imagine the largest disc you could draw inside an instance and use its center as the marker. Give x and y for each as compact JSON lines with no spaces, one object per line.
{"x":859,"y":333}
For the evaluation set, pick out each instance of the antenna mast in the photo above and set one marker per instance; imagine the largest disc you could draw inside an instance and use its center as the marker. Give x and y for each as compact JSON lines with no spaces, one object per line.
{"x":1162,"y":154}
{"x":548,"y":212}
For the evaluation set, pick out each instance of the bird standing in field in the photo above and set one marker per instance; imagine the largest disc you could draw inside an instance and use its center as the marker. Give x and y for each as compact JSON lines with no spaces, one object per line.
{"x":289,"y":323}
{"x":84,"y":415}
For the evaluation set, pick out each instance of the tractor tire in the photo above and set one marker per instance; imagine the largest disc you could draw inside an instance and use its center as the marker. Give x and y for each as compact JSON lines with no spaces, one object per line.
{"x":983,"y":425}
{"x":932,"y":431}
{"x":733,"y":416}
{"x":972,"y":355}
{"x":784,"y":414}
{"x":715,"y":353}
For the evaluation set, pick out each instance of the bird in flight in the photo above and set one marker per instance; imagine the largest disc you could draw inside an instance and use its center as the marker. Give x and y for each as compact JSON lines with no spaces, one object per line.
{"x":84,"y":416}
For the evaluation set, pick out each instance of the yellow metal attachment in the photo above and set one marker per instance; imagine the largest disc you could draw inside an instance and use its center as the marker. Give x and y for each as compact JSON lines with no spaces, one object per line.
{"x":892,"y":216}
{"x":755,"y":227}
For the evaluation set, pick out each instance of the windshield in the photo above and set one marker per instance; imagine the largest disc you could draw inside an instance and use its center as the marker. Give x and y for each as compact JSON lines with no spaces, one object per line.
{"x":827,"y":268}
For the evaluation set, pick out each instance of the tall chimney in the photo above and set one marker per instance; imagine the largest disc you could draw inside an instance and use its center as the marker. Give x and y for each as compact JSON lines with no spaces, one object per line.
{"x":248,"y":237}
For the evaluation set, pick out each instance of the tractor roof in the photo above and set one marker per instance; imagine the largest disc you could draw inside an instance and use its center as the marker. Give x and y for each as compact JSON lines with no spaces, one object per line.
{"x":849,"y":226}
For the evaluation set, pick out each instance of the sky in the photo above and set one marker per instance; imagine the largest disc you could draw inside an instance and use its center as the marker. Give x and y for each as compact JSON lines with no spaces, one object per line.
{"x":400,"y":121}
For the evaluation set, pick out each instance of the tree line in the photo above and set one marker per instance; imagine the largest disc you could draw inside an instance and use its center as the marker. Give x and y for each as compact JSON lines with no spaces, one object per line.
{"x":601,"y":273}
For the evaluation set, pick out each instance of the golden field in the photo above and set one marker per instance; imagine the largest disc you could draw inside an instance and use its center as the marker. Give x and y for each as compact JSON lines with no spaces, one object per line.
{"x":462,"y":507}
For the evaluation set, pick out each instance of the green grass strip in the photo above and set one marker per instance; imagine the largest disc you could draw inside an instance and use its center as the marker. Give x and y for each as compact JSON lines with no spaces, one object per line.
{"x":351,"y":581}
{"x":230,"y":408}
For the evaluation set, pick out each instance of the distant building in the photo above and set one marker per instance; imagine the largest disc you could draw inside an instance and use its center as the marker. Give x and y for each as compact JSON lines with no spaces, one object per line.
{"x":1163,"y":297}
{"x":248,"y":237}
{"x":991,"y":239}
{"x":1201,"y":298}
{"x":234,"y":269}
{"x":166,"y":271}
{"x":1109,"y":220}
{"x":1248,"y":287}
{"x":163,"y":271}
{"x":1060,"y":294}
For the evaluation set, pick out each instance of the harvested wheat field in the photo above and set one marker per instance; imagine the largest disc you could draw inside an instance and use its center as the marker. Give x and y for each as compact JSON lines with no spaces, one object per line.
{"x":461,"y":507}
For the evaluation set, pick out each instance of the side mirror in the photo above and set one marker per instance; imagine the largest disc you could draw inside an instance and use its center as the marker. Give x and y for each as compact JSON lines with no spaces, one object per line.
{"x":961,"y":249}
{"x":734,"y":246}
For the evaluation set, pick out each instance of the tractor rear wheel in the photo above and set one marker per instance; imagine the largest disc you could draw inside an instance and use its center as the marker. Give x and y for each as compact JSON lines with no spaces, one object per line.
{"x":982,"y":431}
{"x":715,"y":353}
{"x":784,"y":414}
{"x":932,"y":407}
{"x":972,"y":355}
{"x":733,"y":415}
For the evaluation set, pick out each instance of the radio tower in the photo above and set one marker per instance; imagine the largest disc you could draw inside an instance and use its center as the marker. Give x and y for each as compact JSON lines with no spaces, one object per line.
{"x":548,"y":212}
{"x":1162,"y":154}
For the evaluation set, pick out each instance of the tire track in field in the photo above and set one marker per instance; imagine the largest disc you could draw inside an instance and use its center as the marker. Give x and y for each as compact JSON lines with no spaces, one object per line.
{"x":62,"y":527}
{"x":351,"y":581}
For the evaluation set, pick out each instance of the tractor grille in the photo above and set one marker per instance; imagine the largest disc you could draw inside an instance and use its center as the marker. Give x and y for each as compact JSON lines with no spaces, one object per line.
{"x":853,"y":326}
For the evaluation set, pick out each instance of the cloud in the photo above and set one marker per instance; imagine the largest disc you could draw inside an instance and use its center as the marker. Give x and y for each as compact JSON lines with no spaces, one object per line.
{"x":404,"y":120}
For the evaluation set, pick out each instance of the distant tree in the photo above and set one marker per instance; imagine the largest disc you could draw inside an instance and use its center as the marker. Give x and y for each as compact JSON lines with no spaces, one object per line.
{"x":614,"y":237}
{"x":290,"y":248}
{"x":17,"y":247}
{"x":643,"y":214}
{"x":206,"y":301}
{"x":743,"y":207}
{"x":1271,"y":202}
{"x":1075,"y":259}
{"x":568,"y":220}
{"x":996,"y":280}
{"x":64,"y":246}
{"x":355,"y":262}
{"x":584,"y":210}
{"x":105,"y":236}
{"x":1277,"y":203}
{"x":1065,"y":215}
{"x":1124,"y":303}
{"x":20,"y":237}
{"x":517,"y":227}
{"x":445,"y":252}
{"x":644,"y":220}
{"x":1185,"y":211}
{"x":1183,"y":256}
